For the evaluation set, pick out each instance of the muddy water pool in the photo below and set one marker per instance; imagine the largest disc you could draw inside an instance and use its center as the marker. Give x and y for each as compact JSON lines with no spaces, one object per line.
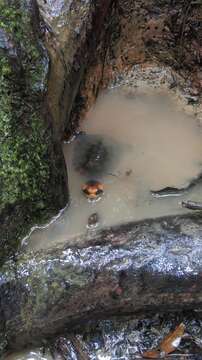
{"x":145,"y":142}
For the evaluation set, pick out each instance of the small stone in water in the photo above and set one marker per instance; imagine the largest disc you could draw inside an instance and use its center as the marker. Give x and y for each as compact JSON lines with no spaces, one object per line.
{"x":93,"y":220}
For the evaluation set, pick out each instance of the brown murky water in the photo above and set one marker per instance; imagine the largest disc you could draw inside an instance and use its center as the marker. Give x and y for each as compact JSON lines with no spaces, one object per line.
{"x":151,"y":145}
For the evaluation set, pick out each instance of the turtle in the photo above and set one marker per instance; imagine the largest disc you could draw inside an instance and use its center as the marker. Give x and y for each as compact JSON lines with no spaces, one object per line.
{"x":93,"y":189}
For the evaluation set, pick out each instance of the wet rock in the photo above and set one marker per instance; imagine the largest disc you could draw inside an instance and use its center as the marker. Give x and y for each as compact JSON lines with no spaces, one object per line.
{"x":166,"y":33}
{"x":93,"y":221}
{"x":44,"y":293}
{"x":73,"y":30}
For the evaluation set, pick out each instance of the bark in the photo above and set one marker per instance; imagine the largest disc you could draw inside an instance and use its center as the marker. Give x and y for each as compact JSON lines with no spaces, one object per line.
{"x":150,"y":265}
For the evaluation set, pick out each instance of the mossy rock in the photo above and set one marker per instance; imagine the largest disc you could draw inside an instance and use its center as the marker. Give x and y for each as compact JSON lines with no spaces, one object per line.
{"x":33,"y":183}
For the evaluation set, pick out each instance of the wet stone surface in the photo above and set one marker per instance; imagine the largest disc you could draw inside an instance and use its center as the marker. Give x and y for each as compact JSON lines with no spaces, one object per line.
{"x":158,"y":268}
{"x":93,"y":220}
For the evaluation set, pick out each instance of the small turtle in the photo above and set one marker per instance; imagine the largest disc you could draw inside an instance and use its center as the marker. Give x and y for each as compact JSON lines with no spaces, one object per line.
{"x":93,"y":189}
{"x":93,"y":220}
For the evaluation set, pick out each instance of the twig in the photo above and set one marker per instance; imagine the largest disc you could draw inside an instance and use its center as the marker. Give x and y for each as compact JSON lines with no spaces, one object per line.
{"x":192,"y":205}
{"x":76,"y":343}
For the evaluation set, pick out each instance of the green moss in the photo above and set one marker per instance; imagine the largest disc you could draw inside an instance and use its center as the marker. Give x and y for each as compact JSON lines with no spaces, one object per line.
{"x":15,"y":20}
{"x":27,"y":154}
{"x":22,"y":145}
{"x":21,"y":158}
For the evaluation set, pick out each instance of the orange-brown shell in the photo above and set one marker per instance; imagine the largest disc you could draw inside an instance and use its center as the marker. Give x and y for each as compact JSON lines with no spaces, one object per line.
{"x":92,"y":189}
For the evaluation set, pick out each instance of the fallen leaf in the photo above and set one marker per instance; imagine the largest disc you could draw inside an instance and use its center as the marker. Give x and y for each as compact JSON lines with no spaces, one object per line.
{"x":171,"y":342}
{"x":151,"y":354}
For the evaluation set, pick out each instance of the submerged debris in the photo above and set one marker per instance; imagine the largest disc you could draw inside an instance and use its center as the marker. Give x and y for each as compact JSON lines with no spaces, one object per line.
{"x":167,"y":191}
{"x":172,"y":340}
{"x":152,"y":354}
{"x":192,"y":205}
{"x":169,"y":344}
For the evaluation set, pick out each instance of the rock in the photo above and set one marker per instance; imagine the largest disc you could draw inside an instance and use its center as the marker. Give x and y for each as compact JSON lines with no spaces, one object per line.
{"x":93,"y":220}
{"x":151,"y":265}
{"x":72,"y":36}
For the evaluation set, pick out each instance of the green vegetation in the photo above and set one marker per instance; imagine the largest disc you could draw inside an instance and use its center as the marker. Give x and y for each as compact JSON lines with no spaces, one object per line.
{"x":22,"y":146}
{"x":27,"y":156}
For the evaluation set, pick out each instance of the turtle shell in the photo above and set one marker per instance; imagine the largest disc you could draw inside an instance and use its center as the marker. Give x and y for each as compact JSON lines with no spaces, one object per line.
{"x":93,"y":189}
